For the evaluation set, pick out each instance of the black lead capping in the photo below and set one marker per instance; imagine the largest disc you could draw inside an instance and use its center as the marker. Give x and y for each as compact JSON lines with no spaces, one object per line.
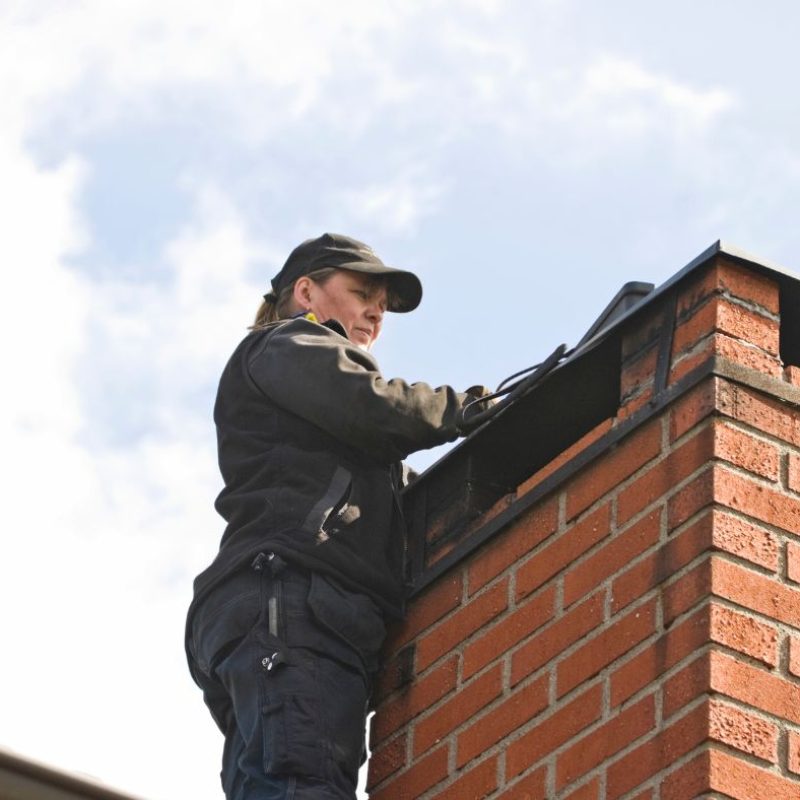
{"x":576,"y":396}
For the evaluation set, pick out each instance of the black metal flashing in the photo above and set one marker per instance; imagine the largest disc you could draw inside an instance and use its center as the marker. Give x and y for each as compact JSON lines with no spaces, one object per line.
{"x":577,"y":395}
{"x":665,"y":338}
{"x":630,"y":295}
{"x":718,"y":367}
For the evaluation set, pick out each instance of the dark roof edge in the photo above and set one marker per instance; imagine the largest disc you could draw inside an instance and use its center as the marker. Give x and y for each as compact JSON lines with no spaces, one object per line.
{"x":717,"y":248}
{"x":54,"y":778}
{"x":713,"y":367}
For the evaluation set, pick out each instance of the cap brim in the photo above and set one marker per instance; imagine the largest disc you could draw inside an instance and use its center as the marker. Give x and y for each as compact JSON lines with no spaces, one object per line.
{"x":406,"y":287}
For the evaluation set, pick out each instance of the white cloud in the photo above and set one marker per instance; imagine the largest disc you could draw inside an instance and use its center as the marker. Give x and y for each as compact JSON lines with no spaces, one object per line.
{"x":102,"y":542}
{"x":633,"y":101}
{"x":43,"y":308}
{"x":122,"y":52}
{"x":396,"y":205}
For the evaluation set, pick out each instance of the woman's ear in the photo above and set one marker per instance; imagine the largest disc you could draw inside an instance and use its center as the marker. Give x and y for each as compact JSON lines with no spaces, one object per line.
{"x":302,"y":293}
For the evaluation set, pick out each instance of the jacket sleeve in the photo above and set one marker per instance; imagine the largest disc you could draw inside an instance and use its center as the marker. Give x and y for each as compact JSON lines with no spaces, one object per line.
{"x":316,"y":373}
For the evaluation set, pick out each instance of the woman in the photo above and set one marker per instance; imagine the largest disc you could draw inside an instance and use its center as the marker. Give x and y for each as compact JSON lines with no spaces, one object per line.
{"x":286,"y":624}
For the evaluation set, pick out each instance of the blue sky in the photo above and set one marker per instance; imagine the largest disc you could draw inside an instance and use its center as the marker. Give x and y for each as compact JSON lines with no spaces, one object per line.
{"x":158,"y":162}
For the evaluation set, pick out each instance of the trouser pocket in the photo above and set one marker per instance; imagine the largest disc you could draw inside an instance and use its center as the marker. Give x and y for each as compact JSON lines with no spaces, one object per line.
{"x":353,"y":623}
{"x":313,"y":721}
{"x":291,"y":735}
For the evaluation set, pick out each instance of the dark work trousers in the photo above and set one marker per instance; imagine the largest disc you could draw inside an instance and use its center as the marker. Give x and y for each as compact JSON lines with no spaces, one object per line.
{"x":286,"y":660}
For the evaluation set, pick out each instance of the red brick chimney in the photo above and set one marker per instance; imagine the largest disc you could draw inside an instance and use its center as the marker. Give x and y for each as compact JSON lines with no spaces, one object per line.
{"x":606,"y":576}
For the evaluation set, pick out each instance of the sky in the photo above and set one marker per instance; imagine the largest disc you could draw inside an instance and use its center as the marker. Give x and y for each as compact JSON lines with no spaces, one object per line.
{"x":158,"y":161}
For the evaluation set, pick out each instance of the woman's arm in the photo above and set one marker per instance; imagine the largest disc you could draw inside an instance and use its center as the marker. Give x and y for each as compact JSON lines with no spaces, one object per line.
{"x":318,"y":374}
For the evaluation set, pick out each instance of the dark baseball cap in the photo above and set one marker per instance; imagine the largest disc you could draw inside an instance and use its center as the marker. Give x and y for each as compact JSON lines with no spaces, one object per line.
{"x":342,"y":252}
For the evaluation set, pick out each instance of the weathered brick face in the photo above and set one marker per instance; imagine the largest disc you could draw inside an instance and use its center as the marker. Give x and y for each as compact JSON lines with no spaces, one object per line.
{"x":635,"y":633}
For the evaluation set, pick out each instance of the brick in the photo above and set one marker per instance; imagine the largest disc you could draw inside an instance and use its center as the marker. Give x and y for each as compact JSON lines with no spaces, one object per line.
{"x":732,"y":319}
{"x":659,"y":481}
{"x":755,"y":591}
{"x":793,"y":752}
{"x":746,"y":451}
{"x":734,"y":280}
{"x":618,"y":552}
{"x":661,"y":655}
{"x":719,"y":345}
{"x":684,"y":363}
{"x":469,"y":700}
{"x":637,"y":372}
{"x":659,"y":566}
{"x":589,"y":791}
{"x":744,"y":781}
{"x":687,"y":591}
{"x":603,"y":649}
{"x":793,"y":472}
{"x":636,"y":581}
{"x":630,"y":405}
{"x":530,"y":787}
{"x":601,"y":477}
{"x":521,"y":707}
{"x":437,"y":601}
{"x":739,"y":632}
{"x":484,"y":518}
{"x":423,"y":693}
{"x":396,"y":674}
{"x":557,"y":637}
{"x":761,"y":412}
{"x":794,"y":655}
{"x":743,"y":731}
{"x":657,"y":753}
{"x":691,"y":779}
{"x":702,"y":284}
{"x":477,"y":783}
{"x":415,"y":781}
{"x":791,"y":374}
{"x":687,"y":684}
{"x":746,"y":355}
{"x":743,"y":539}
{"x":458,"y":627}
{"x":512,"y":544}
{"x":742,"y":282}
{"x":742,"y":323}
{"x":602,"y":743}
{"x":555,"y":730}
{"x":695,"y":326}
{"x":566,"y":456}
{"x":720,"y":530}
{"x":755,"y":687}
{"x":693,"y":497}
{"x":500,"y":638}
{"x":562,"y":551}
{"x":387,"y":759}
{"x":712,"y":624}
{"x":793,"y":562}
{"x":757,"y":500}
{"x":692,"y":408}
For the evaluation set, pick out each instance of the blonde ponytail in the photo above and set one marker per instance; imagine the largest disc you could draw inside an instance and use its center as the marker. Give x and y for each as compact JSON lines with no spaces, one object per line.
{"x":276,"y":307}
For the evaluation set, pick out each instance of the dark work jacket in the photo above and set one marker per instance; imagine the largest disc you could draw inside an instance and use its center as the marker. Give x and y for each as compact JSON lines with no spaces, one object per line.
{"x":310,"y":436}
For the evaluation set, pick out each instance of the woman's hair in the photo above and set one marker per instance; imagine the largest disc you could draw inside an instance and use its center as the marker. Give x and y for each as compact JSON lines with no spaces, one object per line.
{"x":274,"y":307}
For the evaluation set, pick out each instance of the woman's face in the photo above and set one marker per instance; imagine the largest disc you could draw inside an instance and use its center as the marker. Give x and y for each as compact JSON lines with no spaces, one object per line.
{"x":356,"y":300}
